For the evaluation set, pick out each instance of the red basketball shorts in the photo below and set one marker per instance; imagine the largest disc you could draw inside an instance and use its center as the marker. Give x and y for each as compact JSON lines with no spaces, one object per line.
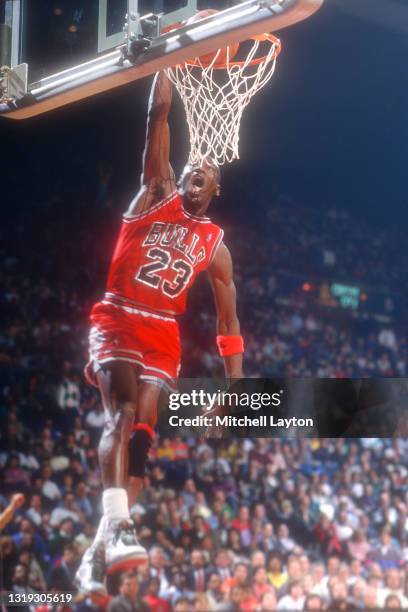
{"x":149,"y":341}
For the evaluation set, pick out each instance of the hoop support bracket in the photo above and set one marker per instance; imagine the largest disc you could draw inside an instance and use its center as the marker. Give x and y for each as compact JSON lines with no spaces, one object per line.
{"x":13,"y":82}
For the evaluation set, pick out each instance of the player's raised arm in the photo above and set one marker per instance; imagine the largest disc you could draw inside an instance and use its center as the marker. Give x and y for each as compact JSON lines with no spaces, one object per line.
{"x":229,"y":338}
{"x":158,"y":179}
{"x":156,"y":162}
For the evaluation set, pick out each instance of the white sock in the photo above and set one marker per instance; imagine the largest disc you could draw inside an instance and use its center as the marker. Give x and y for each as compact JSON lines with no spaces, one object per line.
{"x":115,"y":504}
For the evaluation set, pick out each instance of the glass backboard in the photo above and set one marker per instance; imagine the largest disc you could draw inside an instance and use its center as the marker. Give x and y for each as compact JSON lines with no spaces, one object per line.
{"x":53,"y":35}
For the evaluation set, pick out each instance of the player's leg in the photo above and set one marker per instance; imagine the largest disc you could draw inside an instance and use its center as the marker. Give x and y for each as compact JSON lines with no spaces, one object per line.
{"x":159,"y":340}
{"x":142,"y":437}
{"x":115,"y":545}
{"x":118,"y":385}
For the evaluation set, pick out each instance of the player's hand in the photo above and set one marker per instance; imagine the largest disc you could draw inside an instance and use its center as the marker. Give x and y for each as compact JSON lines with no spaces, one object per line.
{"x":17,"y":501}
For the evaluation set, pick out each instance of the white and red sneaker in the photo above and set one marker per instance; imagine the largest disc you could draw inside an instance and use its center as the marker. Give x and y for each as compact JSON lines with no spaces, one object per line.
{"x":122,"y":548}
{"x":90,"y":576}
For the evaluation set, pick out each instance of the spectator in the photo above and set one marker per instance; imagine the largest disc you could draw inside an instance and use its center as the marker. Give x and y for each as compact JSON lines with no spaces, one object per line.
{"x":69,"y":395}
{"x":260,"y":585}
{"x":239,"y":578}
{"x":49,"y":488}
{"x":152,"y":598}
{"x":68,"y":509}
{"x":15,"y":477}
{"x":338,"y":595}
{"x":214,"y":591}
{"x":326,"y":534}
{"x":35,"y":576}
{"x":393,"y":587}
{"x":20,"y":585}
{"x":35,"y":511}
{"x":182,"y":605}
{"x":277,"y":577}
{"x":63,"y":573}
{"x":197,"y":576}
{"x":385,"y":553}
{"x":313,"y":602}
{"x":129,"y":599}
{"x":158,"y":569}
{"x":294,"y":600}
{"x":393,"y":602}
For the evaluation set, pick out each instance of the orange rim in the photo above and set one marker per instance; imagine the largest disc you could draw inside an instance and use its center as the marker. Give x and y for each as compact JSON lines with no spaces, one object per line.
{"x":241,"y":63}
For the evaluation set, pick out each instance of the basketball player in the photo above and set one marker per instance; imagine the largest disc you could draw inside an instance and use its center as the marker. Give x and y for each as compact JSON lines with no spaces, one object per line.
{"x":165,"y":240}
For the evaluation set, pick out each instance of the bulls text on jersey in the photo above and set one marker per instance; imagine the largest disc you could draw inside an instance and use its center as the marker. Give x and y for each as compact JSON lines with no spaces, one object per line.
{"x":178,"y":237}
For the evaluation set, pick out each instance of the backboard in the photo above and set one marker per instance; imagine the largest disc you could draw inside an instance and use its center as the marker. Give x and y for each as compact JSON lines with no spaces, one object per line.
{"x":58,"y":34}
{"x":61,"y":51}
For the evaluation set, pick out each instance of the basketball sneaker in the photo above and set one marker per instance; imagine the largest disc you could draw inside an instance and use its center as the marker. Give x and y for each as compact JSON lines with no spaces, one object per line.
{"x":122,"y":548}
{"x":90,"y":575}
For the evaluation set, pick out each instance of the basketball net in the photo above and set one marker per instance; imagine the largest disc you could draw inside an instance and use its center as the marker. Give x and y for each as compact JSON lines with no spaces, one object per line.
{"x":215,"y":96}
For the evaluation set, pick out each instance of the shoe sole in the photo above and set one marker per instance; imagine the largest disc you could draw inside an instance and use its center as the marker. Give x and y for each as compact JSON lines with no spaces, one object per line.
{"x":126,"y":564}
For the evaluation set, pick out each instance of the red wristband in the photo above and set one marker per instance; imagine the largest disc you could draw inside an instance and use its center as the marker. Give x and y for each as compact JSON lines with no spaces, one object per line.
{"x":230,"y":345}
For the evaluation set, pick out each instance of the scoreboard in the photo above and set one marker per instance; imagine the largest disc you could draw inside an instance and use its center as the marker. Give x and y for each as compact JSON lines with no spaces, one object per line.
{"x":346,"y":295}
{"x":359,"y":300}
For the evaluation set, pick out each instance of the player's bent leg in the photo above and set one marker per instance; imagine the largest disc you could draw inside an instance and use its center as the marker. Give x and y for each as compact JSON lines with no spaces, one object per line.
{"x":142,"y":437}
{"x":118,"y":385}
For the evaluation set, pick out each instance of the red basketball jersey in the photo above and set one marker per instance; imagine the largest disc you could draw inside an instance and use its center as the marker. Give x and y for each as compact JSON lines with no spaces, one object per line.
{"x":159,"y":254}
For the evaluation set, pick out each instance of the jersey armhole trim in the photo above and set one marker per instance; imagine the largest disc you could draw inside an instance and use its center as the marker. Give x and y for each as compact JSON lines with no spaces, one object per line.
{"x":215,"y":247}
{"x":130,"y":218}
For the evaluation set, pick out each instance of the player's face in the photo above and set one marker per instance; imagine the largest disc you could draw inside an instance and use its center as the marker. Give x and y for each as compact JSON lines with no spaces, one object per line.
{"x":199,"y":184}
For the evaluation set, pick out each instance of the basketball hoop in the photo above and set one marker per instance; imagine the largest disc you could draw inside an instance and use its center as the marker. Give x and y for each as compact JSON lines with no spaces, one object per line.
{"x":215,"y":95}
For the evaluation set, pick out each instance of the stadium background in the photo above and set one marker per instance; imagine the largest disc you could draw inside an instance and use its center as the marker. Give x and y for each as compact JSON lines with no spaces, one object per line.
{"x":314,"y":215}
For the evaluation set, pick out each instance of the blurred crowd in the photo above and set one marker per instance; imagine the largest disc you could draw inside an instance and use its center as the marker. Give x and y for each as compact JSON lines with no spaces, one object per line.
{"x":290,"y":332}
{"x":243,"y":525}
{"x":48,"y":286}
{"x":248,"y":525}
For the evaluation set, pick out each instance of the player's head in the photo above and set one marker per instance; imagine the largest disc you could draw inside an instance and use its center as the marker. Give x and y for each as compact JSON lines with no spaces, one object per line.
{"x":198,"y":184}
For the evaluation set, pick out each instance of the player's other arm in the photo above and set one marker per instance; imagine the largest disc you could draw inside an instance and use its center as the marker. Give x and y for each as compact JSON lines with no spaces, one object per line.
{"x":220,"y":275}
{"x":158,"y":179}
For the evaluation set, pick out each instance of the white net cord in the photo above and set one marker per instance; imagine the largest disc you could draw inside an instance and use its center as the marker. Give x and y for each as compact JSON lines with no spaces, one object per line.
{"x":214,"y":99}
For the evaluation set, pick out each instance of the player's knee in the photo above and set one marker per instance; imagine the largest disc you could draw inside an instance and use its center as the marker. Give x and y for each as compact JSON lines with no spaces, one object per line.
{"x":127,"y":412}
